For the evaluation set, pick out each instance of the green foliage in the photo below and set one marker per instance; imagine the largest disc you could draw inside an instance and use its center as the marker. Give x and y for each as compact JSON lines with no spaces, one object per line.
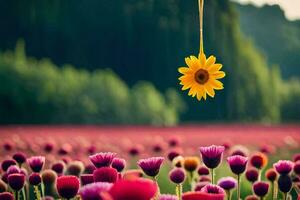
{"x":37,"y":91}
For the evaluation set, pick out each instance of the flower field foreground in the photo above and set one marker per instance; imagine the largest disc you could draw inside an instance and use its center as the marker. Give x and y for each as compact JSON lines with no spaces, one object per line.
{"x":147,"y":163}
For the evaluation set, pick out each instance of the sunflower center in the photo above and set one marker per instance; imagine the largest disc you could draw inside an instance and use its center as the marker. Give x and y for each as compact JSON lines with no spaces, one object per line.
{"x":201,"y":76}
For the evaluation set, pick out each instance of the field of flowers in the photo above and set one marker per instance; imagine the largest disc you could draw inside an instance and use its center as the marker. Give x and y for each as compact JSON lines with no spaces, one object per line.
{"x":150,"y":163}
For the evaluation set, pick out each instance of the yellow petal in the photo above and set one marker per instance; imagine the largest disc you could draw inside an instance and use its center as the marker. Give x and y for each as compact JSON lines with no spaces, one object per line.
{"x":183,"y":70}
{"x":202,"y":60}
{"x":199,"y":96}
{"x":209,"y":89}
{"x":218,"y":85}
{"x":214,"y":68}
{"x":219,"y":74}
{"x":211,"y":60}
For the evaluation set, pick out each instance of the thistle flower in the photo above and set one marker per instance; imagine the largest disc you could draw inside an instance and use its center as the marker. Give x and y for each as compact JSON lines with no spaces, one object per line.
{"x":297,"y":168}
{"x":202,"y":196}
{"x":200,"y":185}
{"x":285,"y":184}
{"x":4,"y":177}
{"x":35,"y":179}
{"x":7,"y":163}
{"x":167,"y":197}
{"x":86,"y":179}
{"x":8,"y":145}
{"x":93,"y":191}
{"x":239,"y":150}
{"x":213,"y":189}
{"x":19,"y":157}
{"x":204,"y":179}
{"x":58,"y":167}
{"x":67,"y":186}
{"x":105,"y":174}
{"x":48,"y":147}
{"x":139,"y":189}
{"x":3,"y":186}
{"x":178,"y":161}
{"x":157,"y":148}
{"x":13,"y":170}
{"x":16,"y":181}
{"x":259,"y":160}
{"x":36,"y":163}
{"x":252,"y":175}
{"x":6,"y":196}
{"x":119,"y":164}
{"x":237,"y":164}
{"x":261,"y":188}
{"x":174,"y":141}
{"x":283,"y":167}
{"x":102,"y":159}
{"x":203,"y":171}
{"x":135,"y":150}
{"x":49,"y":177}
{"x":177,"y":175}
{"x":251,"y":197}
{"x":151,"y":166}
{"x":296,"y":157}
{"x":191,"y":163}
{"x":271,"y":175}
{"x":173,"y":154}
{"x":212,"y":155}
{"x":75,"y":168}
{"x":227,"y":183}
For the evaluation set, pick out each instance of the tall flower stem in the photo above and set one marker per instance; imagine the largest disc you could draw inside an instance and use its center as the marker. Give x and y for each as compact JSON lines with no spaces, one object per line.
{"x":16,"y":195}
{"x":179,"y":191}
{"x":273,"y":190}
{"x":239,"y":187}
{"x":228,"y":194}
{"x":201,"y":6}
{"x":285,"y":195}
{"x":212,"y":175}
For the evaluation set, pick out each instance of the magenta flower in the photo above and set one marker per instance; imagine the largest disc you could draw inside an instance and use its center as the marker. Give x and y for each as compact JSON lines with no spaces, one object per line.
{"x":212,"y":155}
{"x":151,"y":166}
{"x":203,"y":171}
{"x":102,"y":159}
{"x":20,"y":158}
{"x":297,"y":168}
{"x":261,"y":188}
{"x":177,"y":175}
{"x":284,"y":167}
{"x":58,"y":167}
{"x":14,"y":169}
{"x":119,"y":164}
{"x":36,"y":163}
{"x":93,"y":191}
{"x":202,"y":196}
{"x":227,"y":183}
{"x":86,"y":179}
{"x":35,"y":179}
{"x":7,"y":163}
{"x":213,"y":189}
{"x":67,"y":186}
{"x":200,"y":185}
{"x":252,"y":175}
{"x":16,"y":181}
{"x":6,"y":196}
{"x":105,"y":174}
{"x":237,"y":164}
{"x":173,"y":154}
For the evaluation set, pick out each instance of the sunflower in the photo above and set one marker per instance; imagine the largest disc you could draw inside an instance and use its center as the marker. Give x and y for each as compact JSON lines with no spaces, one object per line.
{"x":201,"y":76}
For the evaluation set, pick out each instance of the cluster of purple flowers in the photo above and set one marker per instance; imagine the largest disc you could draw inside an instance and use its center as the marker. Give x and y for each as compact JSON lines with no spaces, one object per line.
{"x":108,"y":177}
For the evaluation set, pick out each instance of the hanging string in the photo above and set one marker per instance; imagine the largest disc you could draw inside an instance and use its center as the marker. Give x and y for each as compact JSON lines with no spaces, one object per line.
{"x":201,"y":5}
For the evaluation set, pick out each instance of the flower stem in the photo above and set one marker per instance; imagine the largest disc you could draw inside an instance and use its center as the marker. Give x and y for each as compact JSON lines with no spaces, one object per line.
{"x":239,"y":187}
{"x":37,"y":192}
{"x":179,"y":191}
{"x":212,"y":176}
{"x":273,"y":190}
{"x":228,"y":193}
{"x":201,"y":6}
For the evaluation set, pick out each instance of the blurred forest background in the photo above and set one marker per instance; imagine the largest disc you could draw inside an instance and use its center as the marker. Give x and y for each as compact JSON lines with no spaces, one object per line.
{"x":116,"y":61}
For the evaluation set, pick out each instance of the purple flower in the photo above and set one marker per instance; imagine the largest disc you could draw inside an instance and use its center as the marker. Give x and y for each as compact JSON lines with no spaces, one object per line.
{"x":252,"y":175}
{"x":177,"y":175}
{"x":86,"y":179}
{"x":201,"y":185}
{"x":261,"y":188}
{"x":297,"y":168}
{"x":173,"y":154}
{"x":227,"y":183}
{"x":151,"y":166}
{"x":93,"y":191}
{"x":283,"y":166}
{"x":35,"y":179}
{"x":212,"y":155}
{"x":6,"y":196}
{"x":167,"y":197}
{"x":16,"y":181}
{"x":13,"y":170}
{"x":105,"y":174}
{"x":7,"y":163}
{"x":19,"y":157}
{"x":237,"y":164}
{"x":285,"y":183}
{"x":119,"y":164}
{"x":36,"y":163}
{"x":203,"y":171}
{"x":212,"y":189}
{"x":103,"y":159}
